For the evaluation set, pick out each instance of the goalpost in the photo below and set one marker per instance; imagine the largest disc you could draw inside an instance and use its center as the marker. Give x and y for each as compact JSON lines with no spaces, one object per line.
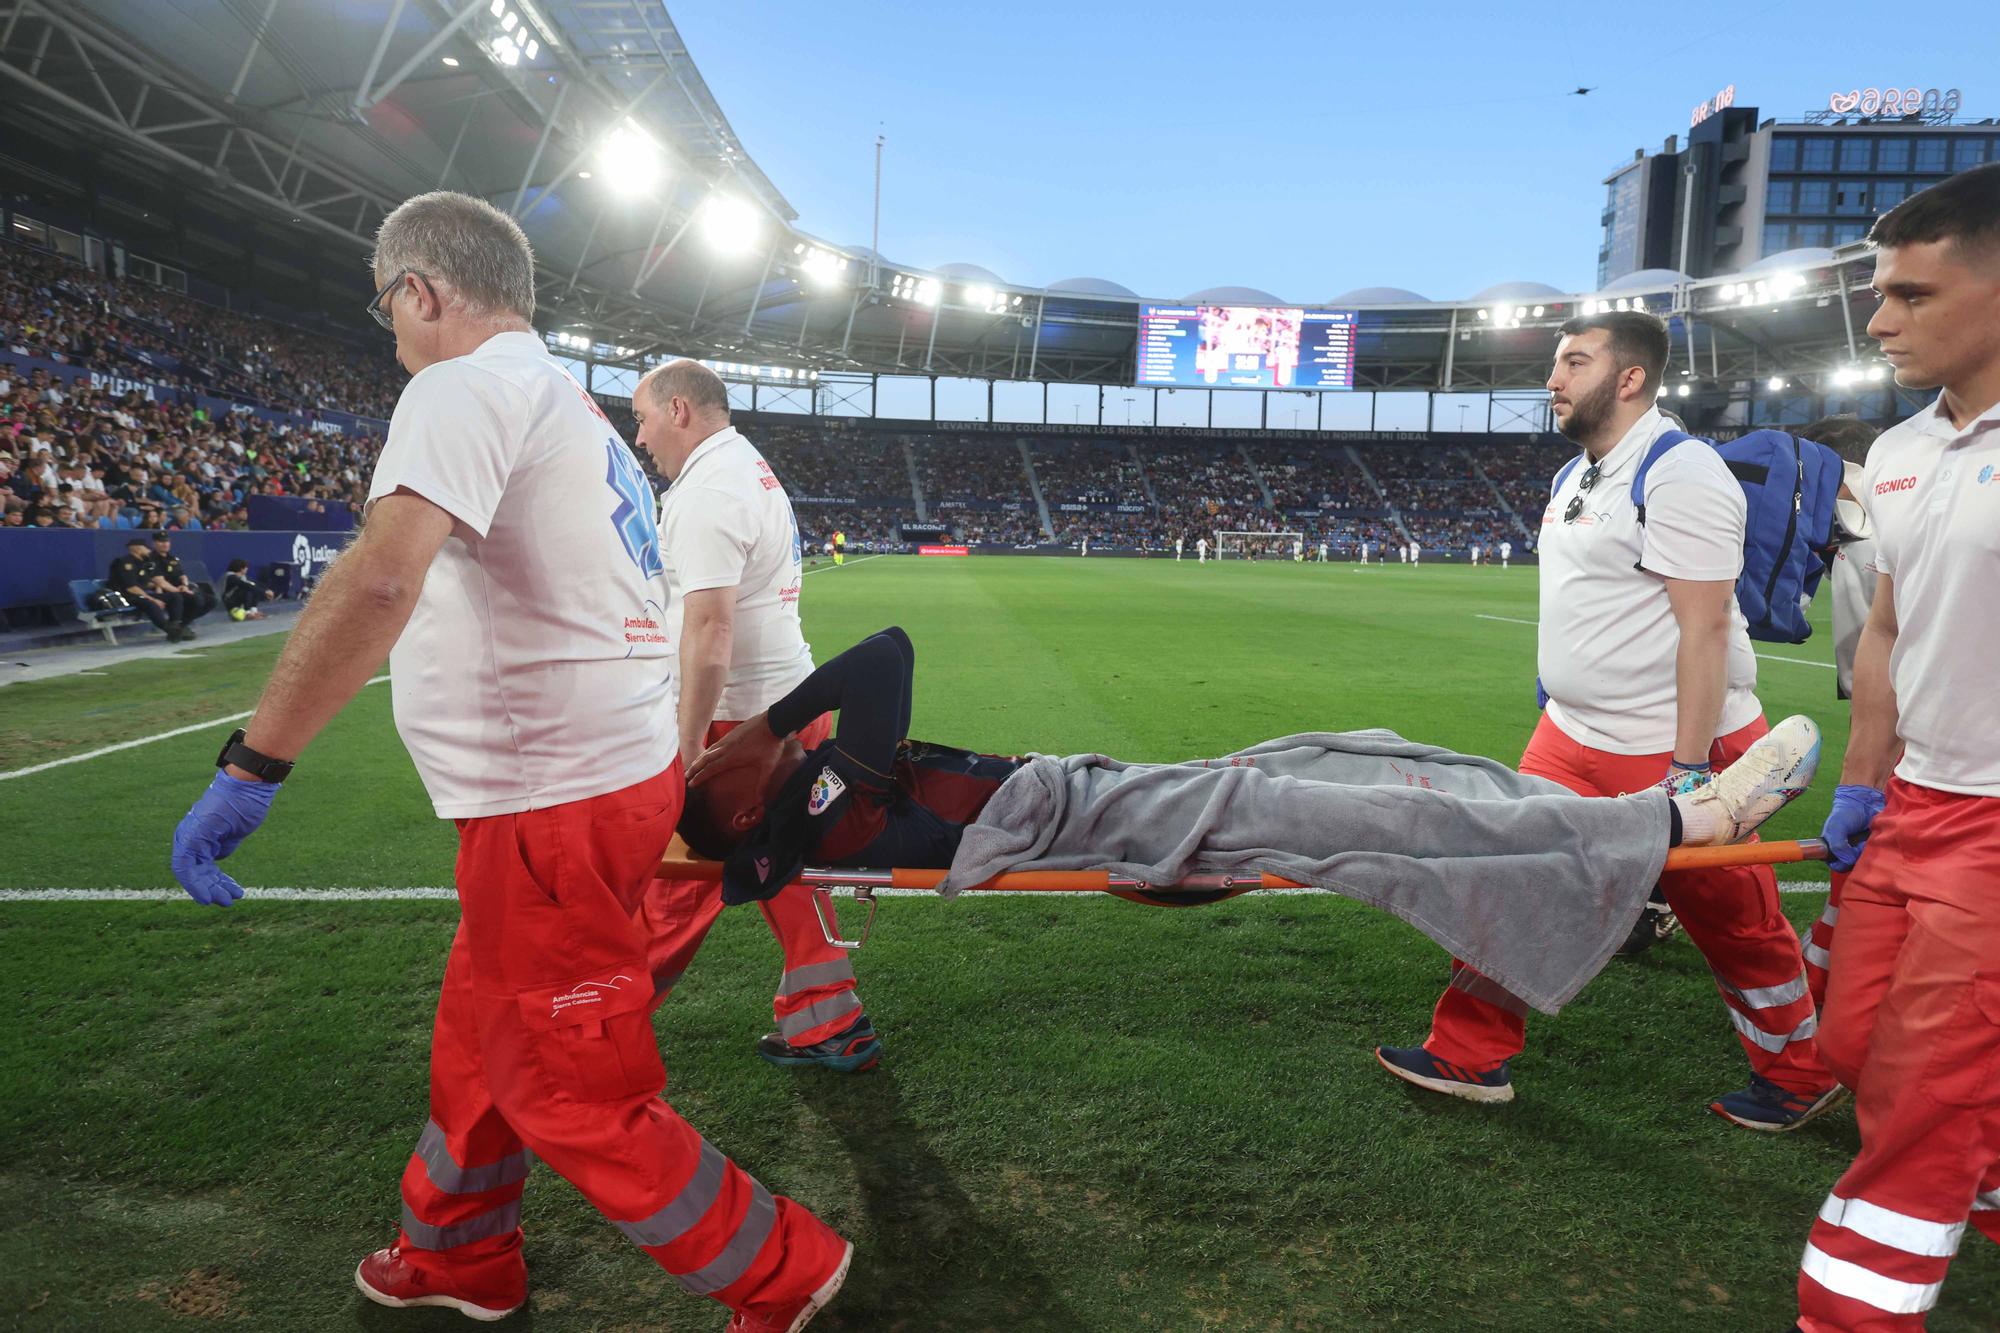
{"x":1266,"y":545}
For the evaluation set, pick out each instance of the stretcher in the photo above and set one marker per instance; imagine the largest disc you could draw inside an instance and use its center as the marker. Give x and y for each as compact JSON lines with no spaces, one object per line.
{"x":1193,"y":891}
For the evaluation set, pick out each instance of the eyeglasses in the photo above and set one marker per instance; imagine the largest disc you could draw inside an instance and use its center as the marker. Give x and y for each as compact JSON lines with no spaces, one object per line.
{"x":1583,"y":485}
{"x":376,"y":309}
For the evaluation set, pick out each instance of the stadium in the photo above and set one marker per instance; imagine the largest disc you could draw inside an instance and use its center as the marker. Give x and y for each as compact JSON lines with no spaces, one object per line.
{"x":1157,"y":525}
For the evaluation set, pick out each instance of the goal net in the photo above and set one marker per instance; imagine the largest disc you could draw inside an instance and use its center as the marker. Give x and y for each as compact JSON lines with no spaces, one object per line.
{"x":1256,"y":545}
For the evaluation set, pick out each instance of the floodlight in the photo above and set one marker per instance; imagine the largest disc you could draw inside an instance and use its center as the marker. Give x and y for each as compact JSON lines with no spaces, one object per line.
{"x":1876,"y":372}
{"x":1775,"y":383}
{"x":450,"y":62}
{"x":1686,"y":389}
{"x":1538,"y":312}
{"x":509,"y":20}
{"x":1499,"y":314}
{"x":824,"y":267}
{"x":1728,"y":291}
{"x":1520,"y":312}
{"x":534,"y":47}
{"x":979,"y":295}
{"x":1482,"y":314}
{"x":504,"y":51}
{"x":630,"y":160}
{"x":499,"y":7}
{"x":1846,"y":375}
{"x":730,"y":225}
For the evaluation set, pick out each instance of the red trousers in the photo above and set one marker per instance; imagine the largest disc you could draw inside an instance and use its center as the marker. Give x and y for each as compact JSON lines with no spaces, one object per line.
{"x":1913,"y":1026}
{"x":1731,"y":914}
{"x":544,"y":1045}
{"x":815,"y":996}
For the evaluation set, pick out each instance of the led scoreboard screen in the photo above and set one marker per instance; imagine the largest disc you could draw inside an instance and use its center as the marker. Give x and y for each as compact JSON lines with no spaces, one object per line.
{"x":1246,"y":347}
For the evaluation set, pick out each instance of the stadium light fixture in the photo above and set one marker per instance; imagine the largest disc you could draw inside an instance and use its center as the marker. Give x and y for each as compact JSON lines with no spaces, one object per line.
{"x":730,"y":225}
{"x":1846,"y":375}
{"x":910,"y":287}
{"x":1686,"y":390}
{"x":508,"y":20}
{"x":823,"y":267}
{"x":1482,"y":314}
{"x":630,"y":159}
{"x":498,"y":8}
{"x":1876,"y":373}
{"x":1775,"y":384}
{"x":449,"y":62}
{"x":1538,"y":312}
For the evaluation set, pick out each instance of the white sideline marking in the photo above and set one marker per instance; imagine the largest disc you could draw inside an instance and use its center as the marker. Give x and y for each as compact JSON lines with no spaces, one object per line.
{"x":252,"y":894}
{"x":143,"y":740}
{"x":857,"y":560}
{"x":1767,"y":657}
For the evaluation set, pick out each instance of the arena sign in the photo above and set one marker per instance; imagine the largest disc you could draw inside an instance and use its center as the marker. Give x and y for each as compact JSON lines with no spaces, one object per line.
{"x":1891,"y":102}
{"x":1722,"y":101}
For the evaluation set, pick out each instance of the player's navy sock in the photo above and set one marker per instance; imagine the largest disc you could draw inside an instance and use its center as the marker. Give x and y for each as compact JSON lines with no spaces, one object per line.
{"x":1674,"y":825}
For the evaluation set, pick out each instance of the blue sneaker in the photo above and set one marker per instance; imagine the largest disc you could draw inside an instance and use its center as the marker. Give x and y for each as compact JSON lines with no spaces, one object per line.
{"x":851,"y":1050}
{"x":1414,"y":1064}
{"x":1770,"y":1109}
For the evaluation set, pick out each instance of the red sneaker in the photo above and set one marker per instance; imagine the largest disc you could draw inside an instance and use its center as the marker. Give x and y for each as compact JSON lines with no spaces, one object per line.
{"x":792,"y":1318}
{"x":387,"y":1278}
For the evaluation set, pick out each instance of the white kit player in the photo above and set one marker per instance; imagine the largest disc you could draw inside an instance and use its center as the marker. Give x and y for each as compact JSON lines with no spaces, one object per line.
{"x":1298,"y":551}
{"x":1179,"y":543}
{"x":1201,"y":551}
{"x":1506,"y":552}
{"x":1322,"y":552}
{"x":1416,"y":553}
{"x":1364,"y":553}
{"x":1475,"y":555}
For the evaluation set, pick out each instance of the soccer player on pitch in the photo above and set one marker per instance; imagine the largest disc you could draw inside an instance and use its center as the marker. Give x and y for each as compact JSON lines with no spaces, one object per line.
{"x":1912,"y":1019}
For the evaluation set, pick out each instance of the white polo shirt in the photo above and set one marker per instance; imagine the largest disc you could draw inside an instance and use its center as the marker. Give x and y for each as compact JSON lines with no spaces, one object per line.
{"x":531,"y":673}
{"x":1852,"y":580}
{"x":1934,"y":497}
{"x":727,"y":523}
{"x":1607,"y":634}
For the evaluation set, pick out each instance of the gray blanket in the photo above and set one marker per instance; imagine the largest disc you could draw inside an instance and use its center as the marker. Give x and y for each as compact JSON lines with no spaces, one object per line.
{"x":1529,"y":883}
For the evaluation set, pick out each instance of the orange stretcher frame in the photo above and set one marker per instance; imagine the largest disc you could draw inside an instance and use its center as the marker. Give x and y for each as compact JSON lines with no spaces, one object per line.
{"x":1195,"y":889}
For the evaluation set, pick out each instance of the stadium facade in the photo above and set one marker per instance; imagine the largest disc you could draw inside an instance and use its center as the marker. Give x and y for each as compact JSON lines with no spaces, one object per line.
{"x":1742,"y":189}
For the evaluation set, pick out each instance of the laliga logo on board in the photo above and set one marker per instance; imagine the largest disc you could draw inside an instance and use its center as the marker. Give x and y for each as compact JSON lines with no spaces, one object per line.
{"x":304,"y":554}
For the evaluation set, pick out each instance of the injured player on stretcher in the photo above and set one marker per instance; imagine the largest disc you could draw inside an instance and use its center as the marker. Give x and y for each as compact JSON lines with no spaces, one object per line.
{"x":1526,"y":881}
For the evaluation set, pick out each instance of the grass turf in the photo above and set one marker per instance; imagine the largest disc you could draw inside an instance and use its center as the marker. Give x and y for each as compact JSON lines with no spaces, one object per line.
{"x":1091,"y":1114}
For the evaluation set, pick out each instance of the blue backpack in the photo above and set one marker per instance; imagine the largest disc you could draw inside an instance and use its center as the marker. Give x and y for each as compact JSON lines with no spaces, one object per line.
{"x":1790,"y":485}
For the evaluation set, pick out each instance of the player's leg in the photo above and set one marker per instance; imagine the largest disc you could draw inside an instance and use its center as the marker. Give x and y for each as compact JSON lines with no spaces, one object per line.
{"x":818,"y":1012}
{"x":1928,"y":1100}
{"x":1477,"y":1026}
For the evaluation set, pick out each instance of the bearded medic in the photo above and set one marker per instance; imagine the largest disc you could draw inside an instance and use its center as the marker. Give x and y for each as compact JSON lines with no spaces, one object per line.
{"x":509,"y":570}
{"x":734,"y":574}
{"x":1646,"y":662}
{"x":1912,"y":1018}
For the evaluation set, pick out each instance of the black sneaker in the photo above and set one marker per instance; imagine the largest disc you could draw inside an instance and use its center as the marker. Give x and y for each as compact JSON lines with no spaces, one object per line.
{"x":1656,"y":923}
{"x":850,"y":1050}
{"x":175,"y":633}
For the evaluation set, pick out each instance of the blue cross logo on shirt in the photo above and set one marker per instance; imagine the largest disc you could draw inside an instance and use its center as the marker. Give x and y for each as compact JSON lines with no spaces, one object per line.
{"x":633,"y":518}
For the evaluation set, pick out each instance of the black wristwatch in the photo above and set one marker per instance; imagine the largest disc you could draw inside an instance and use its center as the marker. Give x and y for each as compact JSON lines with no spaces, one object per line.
{"x":267,"y":769}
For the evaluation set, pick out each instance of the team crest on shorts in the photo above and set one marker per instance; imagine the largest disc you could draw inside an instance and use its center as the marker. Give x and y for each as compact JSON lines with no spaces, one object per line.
{"x":826,"y":788}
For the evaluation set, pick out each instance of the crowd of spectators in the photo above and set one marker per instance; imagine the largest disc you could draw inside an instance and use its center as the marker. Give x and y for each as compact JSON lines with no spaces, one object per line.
{"x":978,"y":467}
{"x":866,"y":527}
{"x":1088,"y":472}
{"x":1522,"y":472}
{"x":1006,"y":528}
{"x":1313,"y":478}
{"x":71,"y":457}
{"x":830,"y":461}
{"x":55,"y":308}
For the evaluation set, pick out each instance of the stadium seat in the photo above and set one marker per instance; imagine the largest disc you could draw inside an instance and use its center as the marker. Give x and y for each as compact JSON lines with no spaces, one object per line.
{"x":106,"y":622}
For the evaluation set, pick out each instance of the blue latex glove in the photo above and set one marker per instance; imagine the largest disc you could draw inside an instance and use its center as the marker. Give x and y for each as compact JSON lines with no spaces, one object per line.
{"x":1846,"y":829}
{"x":227,"y":813}
{"x":1684,"y":778}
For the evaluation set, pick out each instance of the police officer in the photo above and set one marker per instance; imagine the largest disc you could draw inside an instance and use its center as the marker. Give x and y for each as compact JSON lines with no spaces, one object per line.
{"x":132,"y":576}
{"x":197,"y":599}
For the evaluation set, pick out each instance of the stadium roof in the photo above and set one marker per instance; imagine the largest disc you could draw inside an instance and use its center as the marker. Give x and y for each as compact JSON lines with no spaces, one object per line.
{"x":656,"y":231}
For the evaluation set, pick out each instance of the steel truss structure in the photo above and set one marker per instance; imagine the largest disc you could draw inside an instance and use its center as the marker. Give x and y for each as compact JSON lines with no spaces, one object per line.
{"x":322,"y":118}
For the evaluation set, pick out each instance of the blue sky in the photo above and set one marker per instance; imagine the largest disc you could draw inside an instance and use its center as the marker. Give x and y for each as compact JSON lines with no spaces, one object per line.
{"x":1304,"y":149}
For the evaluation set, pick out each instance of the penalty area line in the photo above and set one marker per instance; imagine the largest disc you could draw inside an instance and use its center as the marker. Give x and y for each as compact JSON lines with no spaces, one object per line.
{"x":434,"y":894}
{"x":33,"y":769}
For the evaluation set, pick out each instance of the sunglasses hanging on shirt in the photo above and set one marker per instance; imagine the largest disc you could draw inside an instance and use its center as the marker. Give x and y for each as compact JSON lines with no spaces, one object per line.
{"x":1584,"y":483}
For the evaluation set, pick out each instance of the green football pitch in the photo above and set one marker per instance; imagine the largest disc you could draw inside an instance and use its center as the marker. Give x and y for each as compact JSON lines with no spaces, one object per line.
{"x":1090,"y":1115}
